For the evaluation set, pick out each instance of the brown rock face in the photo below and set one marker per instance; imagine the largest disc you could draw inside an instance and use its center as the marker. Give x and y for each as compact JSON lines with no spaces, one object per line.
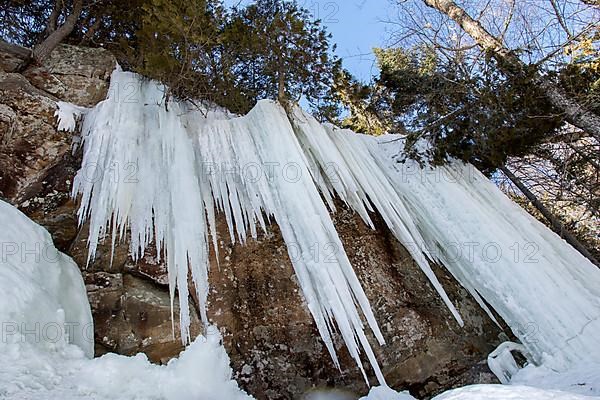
{"x":255,"y":300}
{"x":30,"y":145}
{"x":84,"y":82}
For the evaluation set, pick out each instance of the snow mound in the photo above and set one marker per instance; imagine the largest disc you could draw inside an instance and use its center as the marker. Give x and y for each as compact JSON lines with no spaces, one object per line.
{"x":502,"y":392}
{"x":582,"y":379}
{"x":482,"y":392}
{"x":162,"y":172}
{"x":201,"y":372}
{"x":385,"y":393}
{"x":44,"y":302}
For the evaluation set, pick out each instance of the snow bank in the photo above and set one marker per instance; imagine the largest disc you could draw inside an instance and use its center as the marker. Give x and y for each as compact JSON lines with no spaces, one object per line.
{"x":202,"y":372}
{"x":163,"y":171}
{"x":582,"y":379}
{"x":385,"y":393}
{"x":495,"y":392}
{"x":501,"y":392}
{"x":44,"y":302}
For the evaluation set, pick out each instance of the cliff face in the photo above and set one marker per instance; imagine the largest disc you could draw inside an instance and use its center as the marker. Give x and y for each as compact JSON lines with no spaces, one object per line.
{"x":269,"y":334}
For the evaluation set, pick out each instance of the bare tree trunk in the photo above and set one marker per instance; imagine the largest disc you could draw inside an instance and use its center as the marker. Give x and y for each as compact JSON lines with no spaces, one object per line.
{"x":281,"y":96}
{"x":555,"y":223}
{"x":511,"y":65}
{"x":281,"y":86}
{"x":57,"y":35}
{"x":53,"y":18}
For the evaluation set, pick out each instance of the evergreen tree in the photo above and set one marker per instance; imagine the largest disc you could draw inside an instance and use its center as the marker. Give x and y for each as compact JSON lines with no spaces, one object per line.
{"x":482,"y":118}
{"x":279,"y":52}
{"x":268,"y":49}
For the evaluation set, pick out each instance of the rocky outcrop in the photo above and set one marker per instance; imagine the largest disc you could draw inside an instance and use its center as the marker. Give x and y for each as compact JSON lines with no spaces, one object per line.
{"x":30,"y":145}
{"x":255,"y":300}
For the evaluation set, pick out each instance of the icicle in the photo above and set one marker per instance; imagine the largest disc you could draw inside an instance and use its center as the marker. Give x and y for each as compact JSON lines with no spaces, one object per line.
{"x":184,"y":165}
{"x":163,"y":175}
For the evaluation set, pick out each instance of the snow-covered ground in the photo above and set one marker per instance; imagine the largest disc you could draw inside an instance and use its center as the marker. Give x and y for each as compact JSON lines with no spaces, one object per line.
{"x":202,"y":372}
{"x":501,"y":392}
{"x":530,"y":383}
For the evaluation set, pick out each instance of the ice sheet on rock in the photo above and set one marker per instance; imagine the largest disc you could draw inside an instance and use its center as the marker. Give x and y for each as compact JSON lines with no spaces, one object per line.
{"x":437,"y":211}
{"x":253,"y":165}
{"x":162,"y":175}
{"x":44,"y":302}
{"x":161,"y":172}
{"x":352,"y":165}
{"x":139,"y":174}
{"x":547,"y":293}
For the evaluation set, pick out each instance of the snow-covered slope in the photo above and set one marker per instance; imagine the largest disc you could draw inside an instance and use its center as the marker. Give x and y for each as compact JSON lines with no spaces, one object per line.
{"x":161,"y":172}
{"x":44,"y":302}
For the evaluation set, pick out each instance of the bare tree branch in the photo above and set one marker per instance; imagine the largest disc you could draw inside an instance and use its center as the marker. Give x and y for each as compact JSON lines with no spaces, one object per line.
{"x":511,"y":65}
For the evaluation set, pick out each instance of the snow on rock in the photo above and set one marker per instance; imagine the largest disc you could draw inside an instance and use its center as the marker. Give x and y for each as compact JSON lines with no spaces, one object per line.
{"x":582,"y":379}
{"x":160,"y":172}
{"x":44,"y":302}
{"x":502,"y":392}
{"x":385,"y":393}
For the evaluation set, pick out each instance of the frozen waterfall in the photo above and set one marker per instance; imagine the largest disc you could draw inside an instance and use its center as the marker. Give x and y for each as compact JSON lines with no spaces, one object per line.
{"x":160,"y":172}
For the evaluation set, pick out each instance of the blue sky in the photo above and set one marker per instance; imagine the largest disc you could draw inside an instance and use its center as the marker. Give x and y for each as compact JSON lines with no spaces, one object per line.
{"x":356,"y":28}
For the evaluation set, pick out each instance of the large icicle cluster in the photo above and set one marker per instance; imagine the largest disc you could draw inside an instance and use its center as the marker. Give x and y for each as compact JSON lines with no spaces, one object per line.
{"x":162,"y":172}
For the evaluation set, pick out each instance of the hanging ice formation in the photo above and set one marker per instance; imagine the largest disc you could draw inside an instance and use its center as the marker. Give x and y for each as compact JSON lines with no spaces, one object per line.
{"x":163,"y":171}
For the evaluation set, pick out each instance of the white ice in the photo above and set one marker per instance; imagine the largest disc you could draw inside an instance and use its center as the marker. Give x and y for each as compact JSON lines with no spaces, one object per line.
{"x":502,"y":392}
{"x":68,"y":114}
{"x":160,"y":172}
{"x":44,"y":302}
